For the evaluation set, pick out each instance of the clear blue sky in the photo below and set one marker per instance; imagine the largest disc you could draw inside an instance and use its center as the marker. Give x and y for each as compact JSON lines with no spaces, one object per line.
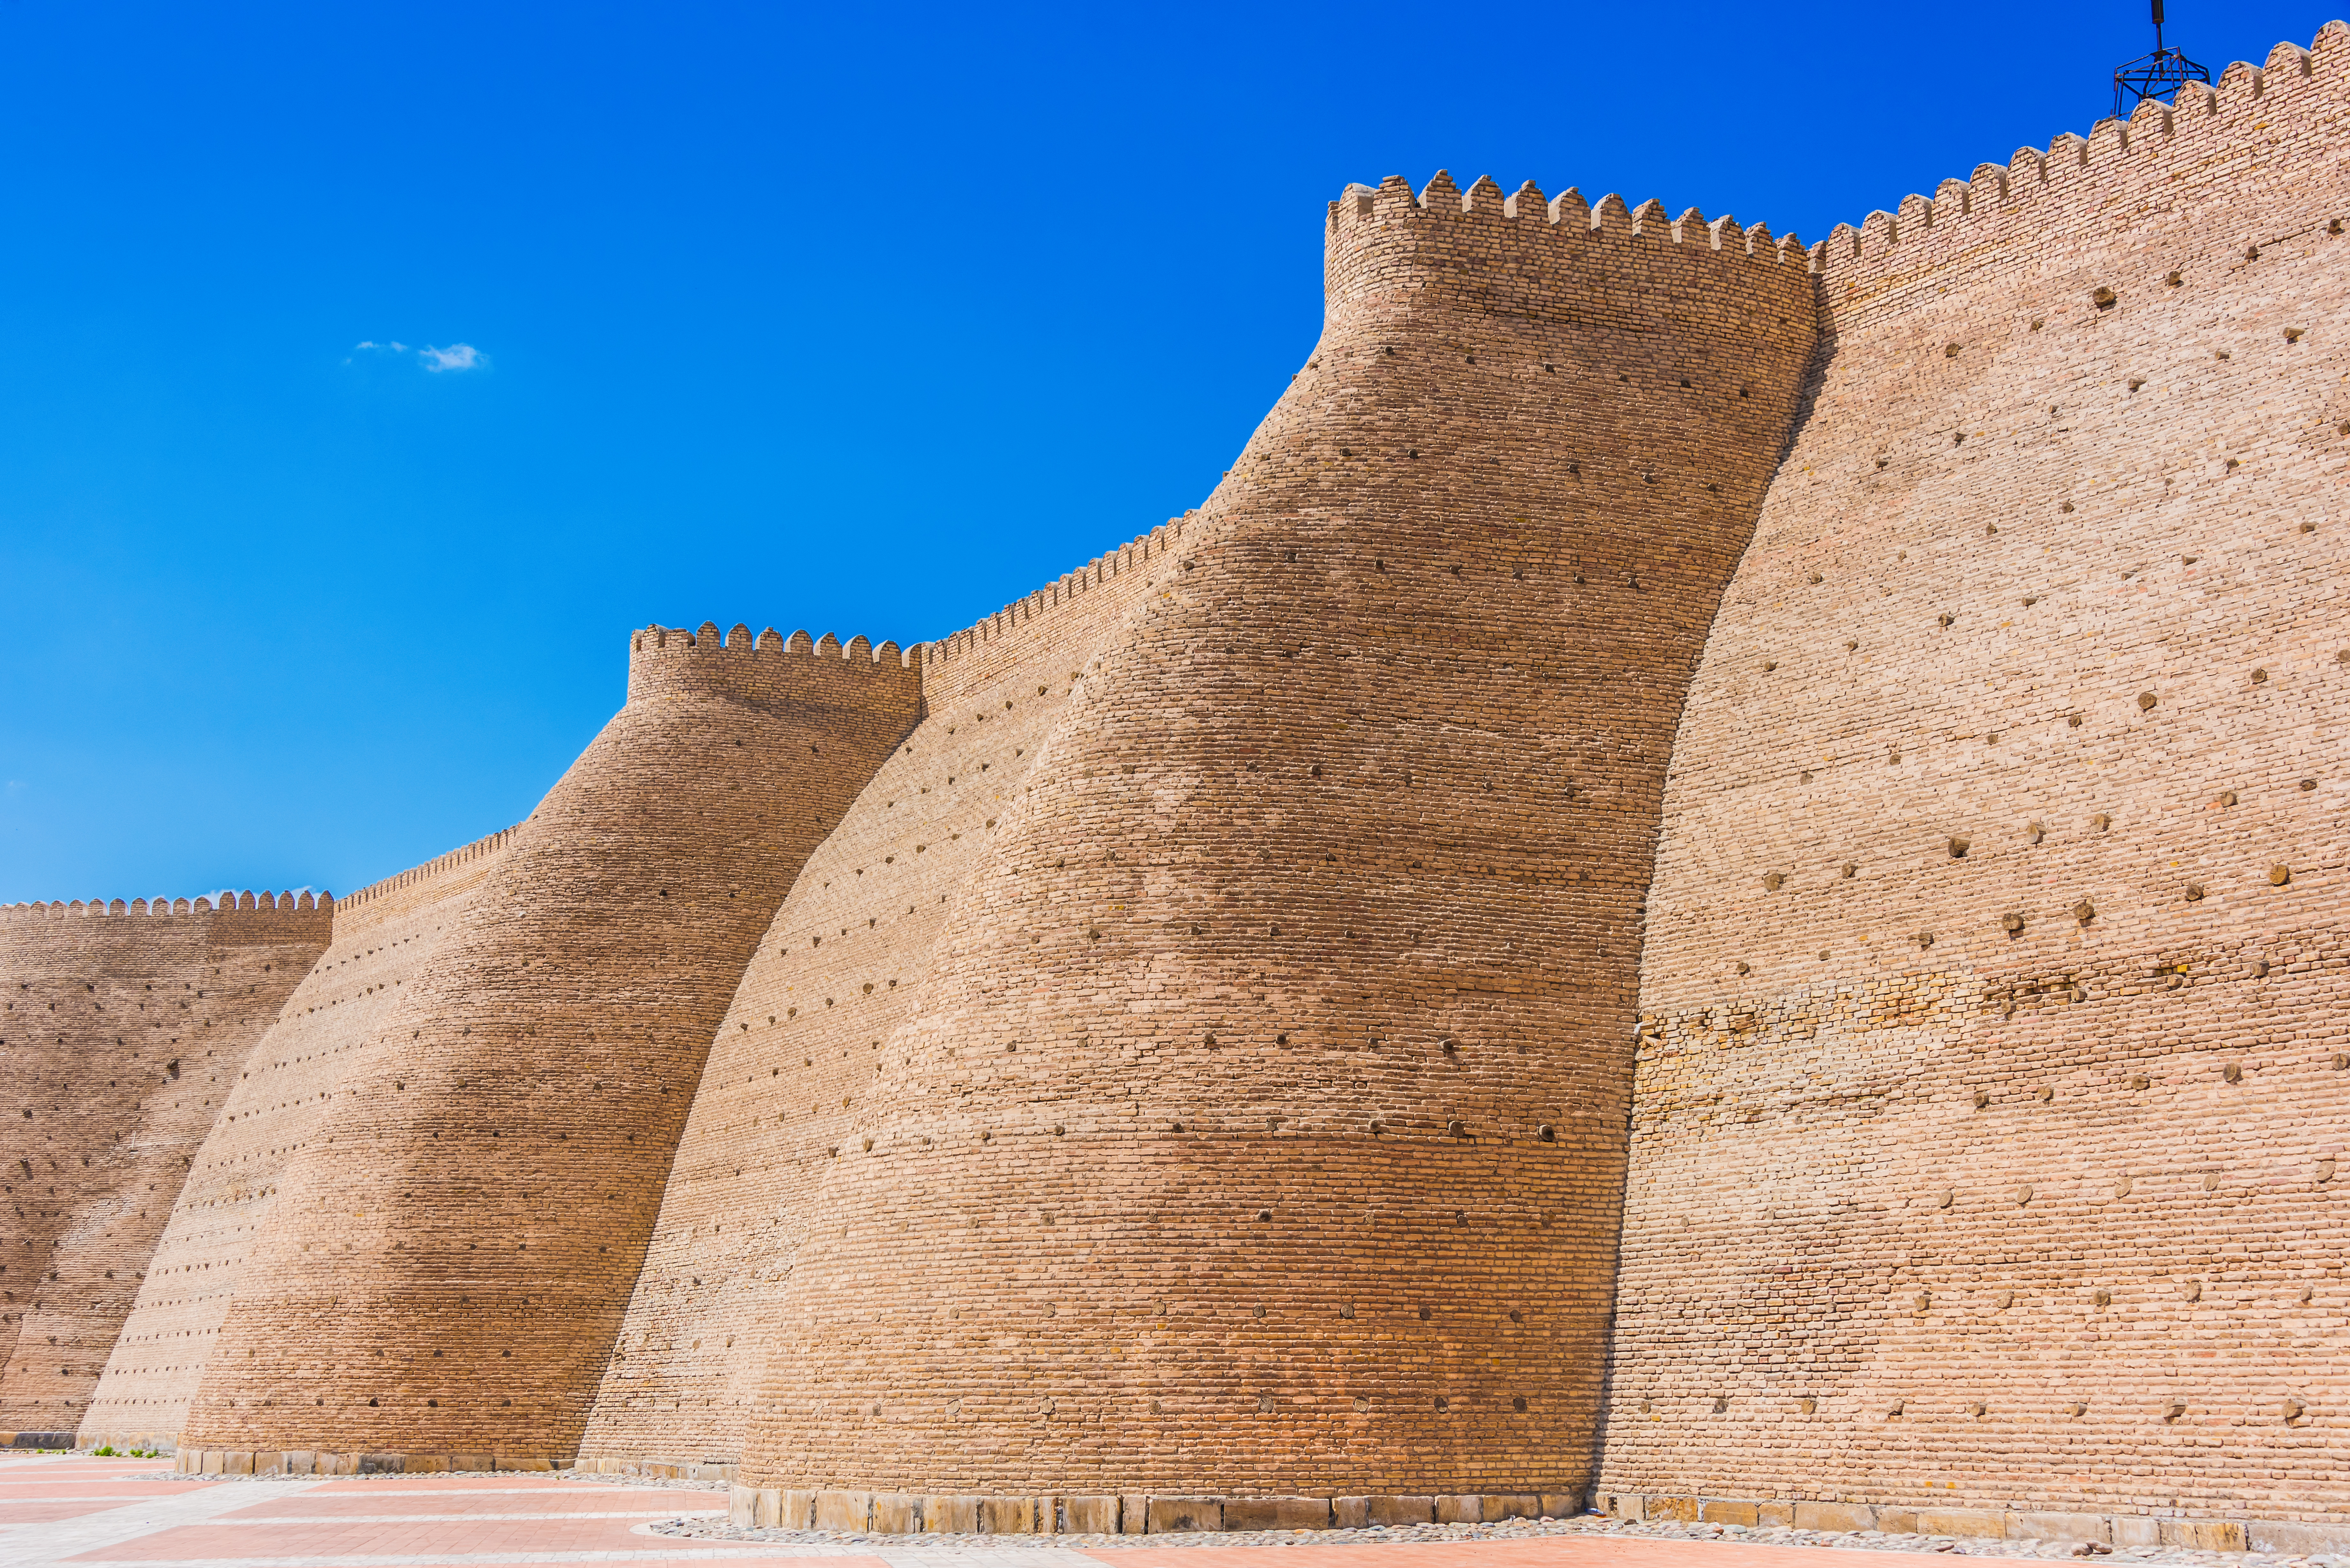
{"x":856,"y":319}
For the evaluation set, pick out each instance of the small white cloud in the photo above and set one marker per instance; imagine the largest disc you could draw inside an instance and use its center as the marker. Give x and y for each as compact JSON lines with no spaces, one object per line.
{"x":456,"y":357}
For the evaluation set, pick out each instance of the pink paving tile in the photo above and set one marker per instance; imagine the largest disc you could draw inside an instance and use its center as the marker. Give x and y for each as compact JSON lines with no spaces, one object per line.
{"x":48,"y":1510}
{"x":750,"y":1558}
{"x":323,"y":1504}
{"x":325,"y":1538}
{"x":503,"y":1480}
{"x":126,"y":1490}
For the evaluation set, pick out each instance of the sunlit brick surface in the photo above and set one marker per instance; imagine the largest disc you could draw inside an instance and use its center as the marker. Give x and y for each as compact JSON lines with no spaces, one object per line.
{"x":2039,"y":656}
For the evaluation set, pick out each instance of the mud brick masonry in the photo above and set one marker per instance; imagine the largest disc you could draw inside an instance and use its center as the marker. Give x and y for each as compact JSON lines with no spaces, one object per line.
{"x":1712,"y":881}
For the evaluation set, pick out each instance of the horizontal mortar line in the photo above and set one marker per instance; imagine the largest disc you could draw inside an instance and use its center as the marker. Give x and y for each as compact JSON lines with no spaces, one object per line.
{"x":226,"y":1522}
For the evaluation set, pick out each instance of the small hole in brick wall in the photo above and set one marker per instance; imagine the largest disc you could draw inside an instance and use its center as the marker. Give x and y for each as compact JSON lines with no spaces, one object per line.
{"x":1958,"y":850}
{"x":2136,"y":382}
{"x":2222,"y":353}
{"x":1423,"y":1315}
{"x":2038,"y":324}
{"x":2104,"y":298}
{"x":1884,"y":462}
{"x":1684,"y":380}
{"x":1546,"y":1132}
{"x":1622,"y":377}
{"x":1983,"y":1098}
{"x":1744,"y":968}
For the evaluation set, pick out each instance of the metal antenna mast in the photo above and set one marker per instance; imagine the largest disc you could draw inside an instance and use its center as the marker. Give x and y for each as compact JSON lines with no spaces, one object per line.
{"x":2157,"y":76}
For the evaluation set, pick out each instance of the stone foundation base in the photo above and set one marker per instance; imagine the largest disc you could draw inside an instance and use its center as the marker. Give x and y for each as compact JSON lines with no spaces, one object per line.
{"x":1128,"y":1513}
{"x":1991,"y":1523}
{"x":36,"y":1440}
{"x":667,"y":1469}
{"x":318,"y":1462}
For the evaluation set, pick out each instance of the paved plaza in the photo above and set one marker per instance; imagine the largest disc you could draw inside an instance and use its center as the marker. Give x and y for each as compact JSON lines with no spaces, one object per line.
{"x":93,"y":1512}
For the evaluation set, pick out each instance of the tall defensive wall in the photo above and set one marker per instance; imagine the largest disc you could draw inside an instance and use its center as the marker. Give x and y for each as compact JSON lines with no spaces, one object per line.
{"x":1713,"y":874}
{"x":449,"y":1249}
{"x":122,"y":1028}
{"x":1265,"y":1097}
{"x":329,"y":1034}
{"x":1994,"y":1071}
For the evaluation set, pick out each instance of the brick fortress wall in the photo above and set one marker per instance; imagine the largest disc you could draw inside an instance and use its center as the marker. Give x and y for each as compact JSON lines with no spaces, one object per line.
{"x":121,"y":1028}
{"x":1989,"y":1112}
{"x":449,"y":1253}
{"x":329,"y":1034}
{"x":796,"y":1060}
{"x":1265,"y":1097}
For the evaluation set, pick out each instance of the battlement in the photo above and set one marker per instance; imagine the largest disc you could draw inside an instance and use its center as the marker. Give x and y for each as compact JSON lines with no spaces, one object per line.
{"x":1566,"y":223}
{"x":1093,"y":574}
{"x":770,"y":671}
{"x":2076,"y":179}
{"x":374,"y":900}
{"x":246,"y":902}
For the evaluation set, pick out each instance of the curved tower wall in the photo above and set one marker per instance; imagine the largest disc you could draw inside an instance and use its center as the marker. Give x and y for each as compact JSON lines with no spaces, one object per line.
{"x":121,"y":1031}
{"x":2045,"y":1214}
{"x":793,"y":1068}
{"x":1265,"y":1101}
{"x":449,"y":1254}
{"x":328,"y":1031}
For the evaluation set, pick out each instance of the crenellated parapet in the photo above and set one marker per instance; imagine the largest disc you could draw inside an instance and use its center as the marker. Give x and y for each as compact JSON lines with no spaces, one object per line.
{"x":1552,"y":258}
{"x":1103,"y":585}
{"x":772,"y":671}
{"x":304,"y":903}
{"x":2254,"y":120}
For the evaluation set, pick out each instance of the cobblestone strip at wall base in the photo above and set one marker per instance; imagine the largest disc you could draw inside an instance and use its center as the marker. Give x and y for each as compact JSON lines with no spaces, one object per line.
{"x":1989,"y":1524}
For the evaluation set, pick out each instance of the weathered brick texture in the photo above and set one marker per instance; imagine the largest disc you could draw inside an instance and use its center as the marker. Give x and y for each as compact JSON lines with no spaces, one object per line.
{"x":122,"y":1028}
{"x":2043,"y":1212}
{"x":329,"y":1031}
{"x":448,"y":1255}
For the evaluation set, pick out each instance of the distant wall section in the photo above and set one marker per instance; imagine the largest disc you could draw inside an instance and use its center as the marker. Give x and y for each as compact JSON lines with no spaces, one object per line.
{"x":121,"y":1031}
{"x":328,"y":1034}
{"x":448,"y":1256}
